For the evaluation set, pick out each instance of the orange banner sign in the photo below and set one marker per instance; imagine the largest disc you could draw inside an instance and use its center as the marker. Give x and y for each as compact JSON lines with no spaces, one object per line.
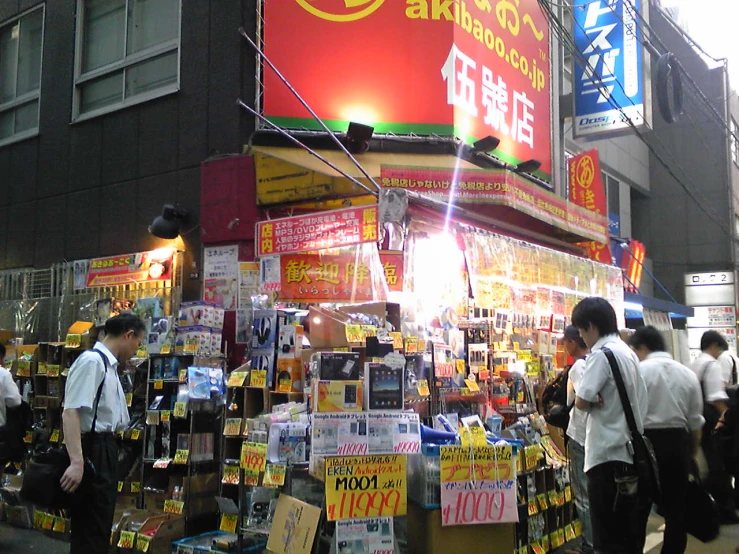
{"x":586,"y":190}
{"x":318,"y":231}
{"x":131,"y":268}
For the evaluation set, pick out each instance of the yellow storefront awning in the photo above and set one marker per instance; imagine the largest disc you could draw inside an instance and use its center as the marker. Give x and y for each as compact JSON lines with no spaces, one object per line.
{"x":287,"y":175}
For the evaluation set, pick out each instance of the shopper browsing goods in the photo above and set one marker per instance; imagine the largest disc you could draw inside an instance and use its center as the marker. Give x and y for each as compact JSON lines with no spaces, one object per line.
{"x":95,"y":408}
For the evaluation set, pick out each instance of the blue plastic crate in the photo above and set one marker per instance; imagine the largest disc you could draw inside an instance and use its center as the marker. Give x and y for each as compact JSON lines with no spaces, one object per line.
{"x":202,"y":544}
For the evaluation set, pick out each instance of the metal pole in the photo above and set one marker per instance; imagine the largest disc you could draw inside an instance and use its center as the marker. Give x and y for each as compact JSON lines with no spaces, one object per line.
{"x":307,"y":107}
{"x":304,"y":147}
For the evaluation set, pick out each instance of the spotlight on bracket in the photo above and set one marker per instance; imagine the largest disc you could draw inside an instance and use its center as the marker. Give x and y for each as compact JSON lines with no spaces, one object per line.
{"x":167,"y":225}
{"x":487,"y":144}
{"x":358,"y":137}
{"x":529,"y":166}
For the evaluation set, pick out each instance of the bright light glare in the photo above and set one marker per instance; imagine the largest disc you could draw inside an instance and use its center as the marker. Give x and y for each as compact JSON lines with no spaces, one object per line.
{"x":633,"y":307}
{"x":161,"y":254}
{"x":360,"y":114}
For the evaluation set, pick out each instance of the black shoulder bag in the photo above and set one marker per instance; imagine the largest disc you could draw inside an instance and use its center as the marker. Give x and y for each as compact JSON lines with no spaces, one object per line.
{"x":41,"y":481}
{"x":644,"y":459}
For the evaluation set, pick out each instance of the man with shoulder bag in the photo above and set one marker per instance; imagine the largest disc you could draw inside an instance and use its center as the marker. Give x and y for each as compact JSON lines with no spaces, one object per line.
{"x":94,"y":409}
{"x":613,"y":393}
{"x":673,"y":424}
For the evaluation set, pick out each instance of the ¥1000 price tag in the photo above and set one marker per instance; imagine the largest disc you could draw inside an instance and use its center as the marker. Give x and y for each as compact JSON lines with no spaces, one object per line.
{"x":258,"y":378}
{"x":176,"y":507}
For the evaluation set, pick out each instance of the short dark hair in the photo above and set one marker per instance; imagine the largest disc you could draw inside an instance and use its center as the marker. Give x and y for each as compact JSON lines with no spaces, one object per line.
{"x":710,"y":338}
{"x":648,"y":337}
{"x":573,"y":334}
{"x":3,"y":350}
{"x":121,"y":324}
{"x":598,"y":312}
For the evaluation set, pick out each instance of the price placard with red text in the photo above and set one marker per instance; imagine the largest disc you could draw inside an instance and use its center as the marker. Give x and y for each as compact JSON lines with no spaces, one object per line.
{"x":478,"y":485}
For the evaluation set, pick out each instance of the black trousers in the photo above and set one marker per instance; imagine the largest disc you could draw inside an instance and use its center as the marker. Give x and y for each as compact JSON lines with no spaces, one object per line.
{"x":719,"y":480}
{"x":92,"y":513}
{"x":673,"y":450}
{"x":617,"y":528}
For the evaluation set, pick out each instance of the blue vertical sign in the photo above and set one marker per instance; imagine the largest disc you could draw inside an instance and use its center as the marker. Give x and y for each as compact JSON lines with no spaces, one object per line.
{"x":608,"y":35}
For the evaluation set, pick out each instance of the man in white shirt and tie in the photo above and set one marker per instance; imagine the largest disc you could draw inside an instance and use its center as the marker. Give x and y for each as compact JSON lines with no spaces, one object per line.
{"x":673,"y":424}
{"x":94,"y":409}
{"x":618,"y":527}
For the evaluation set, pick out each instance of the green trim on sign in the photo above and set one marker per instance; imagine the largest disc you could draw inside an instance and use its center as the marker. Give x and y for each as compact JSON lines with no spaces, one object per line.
{"x":340,"y":125}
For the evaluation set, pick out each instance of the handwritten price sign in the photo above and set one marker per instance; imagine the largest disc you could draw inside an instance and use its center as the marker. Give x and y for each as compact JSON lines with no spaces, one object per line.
{"x":478,"y":485}
{"x":366,"y":486}
{"x":254,"y":456}
{"x":258,"y":378}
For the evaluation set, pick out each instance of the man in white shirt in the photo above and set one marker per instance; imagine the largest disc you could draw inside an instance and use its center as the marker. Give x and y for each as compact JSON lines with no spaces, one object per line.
{"x":618,"y":527}
{"x":9,"y":395}
{"x":729,"y":368}
{"x":578,"y":350}
{"x":94,"y":409}
{"x":715,"y":403}
{"x":673,"y":425}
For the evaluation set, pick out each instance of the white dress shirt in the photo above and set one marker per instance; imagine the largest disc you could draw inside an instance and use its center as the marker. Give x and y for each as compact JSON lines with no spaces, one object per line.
{"x":675,"y":399}
{"x":578,"y":418}
{"x":608,"y":434}
{"x":708,"y":371}
{"x":9,"y":395}
{"x":83,"y":381}
{"x":726,"y":360}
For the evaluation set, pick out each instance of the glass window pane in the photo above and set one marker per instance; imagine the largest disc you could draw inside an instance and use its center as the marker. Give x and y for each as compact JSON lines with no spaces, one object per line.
{"x":151,"y":22}
{"x":29,"y":53}
{"x":103,"y":33}
{"x":152,"y":74}
{"x":614,"y":199}
{"x":6,"y":124}
{"x":8,"y":58}
{"x":101,"y":92}
{"x":26,"y":117}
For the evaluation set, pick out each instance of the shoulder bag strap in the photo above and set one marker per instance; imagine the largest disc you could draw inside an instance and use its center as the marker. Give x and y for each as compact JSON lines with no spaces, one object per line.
{"x":628,"y":411}
{"x":733,"y":370}
{"x":100,"y":390}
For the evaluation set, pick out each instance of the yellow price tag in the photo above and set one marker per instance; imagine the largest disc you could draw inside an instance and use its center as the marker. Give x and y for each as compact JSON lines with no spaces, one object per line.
{"x":229,"y":522}
{"x":274,"y":475}
{"x":258,"y":378}
{"x":42,"y":369}
{"x":158,"y":384}
{"x":533,"y":508}
{"x":120,"y":486}
{"x":237,"y":378}
{"x":135,"y":434}
{"x":577,"y":525}
{"x":127,"y":539}
{"x":181,"y":456}
{"x":48,"y":522}
{"x":411,"y":345}
{"x":60,"y":526}
{"x":180,"y":410}
{"x":472,"y":385}
{"x":165,"y":415}
{"x":230,"y":475}
{"x":545,"y":543}
{"x":166,"y":349}
{"x":174,"y":507}
{"x":423,"y":388}
{"x":183,"y":376}
{"x":368,"y":331}
{"x":537,"y":548}
{"x":73,"y":341}
{"x":129,"y":399}
{"x":135,"y":487}
{"x":232,"y":427}
{"x":542,"y":499}
{"x":54,"y":436}
{"x":461,"y":367}
{"x":422,"y":345}
{"x":569,"y":532}
{"x":397,"y":340}
{"x":354,"y":333}
{"x":38,"y":519}
{"x":475,"y":435}
{"x":143,"y":542}
{"x":568,"y":493}
{"x":52,"y":370}
{"x":28,"y":437}
{"x":141,"y":352}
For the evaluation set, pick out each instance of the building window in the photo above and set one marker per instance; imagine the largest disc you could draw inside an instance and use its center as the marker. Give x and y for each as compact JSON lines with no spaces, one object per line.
{"x":128,"y":51}
{"x":734,"y":142}
{"x":21,"y":43}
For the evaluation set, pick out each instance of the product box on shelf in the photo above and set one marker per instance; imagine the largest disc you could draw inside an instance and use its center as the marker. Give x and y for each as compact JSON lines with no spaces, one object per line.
{"x":193,"y":314}
{"x":290,"y":342}
{"x":384,"y":387}
{"x":289,"y":375}
{"x":193,"y":340}
{"x":339,"y":396}
{"x":265,"y":330}
{"x":161,"y":335}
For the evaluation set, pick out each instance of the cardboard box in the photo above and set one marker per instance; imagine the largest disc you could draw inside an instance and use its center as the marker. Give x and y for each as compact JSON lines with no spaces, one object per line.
{"x":328,"y":328}
{"x":168,"y":528}
{"x":302,"y":518}
{"x":387,"y":312}
{"x":339,"y":396}
{"x":427,"y":535}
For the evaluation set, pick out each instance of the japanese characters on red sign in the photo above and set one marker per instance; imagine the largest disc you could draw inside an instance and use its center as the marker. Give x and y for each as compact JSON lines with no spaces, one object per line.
{"x":319,"y":231}
{"x":131,"y":268}
{"x":473,"y":68}
{"x":498,"y":187}
{"x":336,"y":278}
{"x":586,"y":190}
{"x":633,"y":265}
{"x":393,"y":266}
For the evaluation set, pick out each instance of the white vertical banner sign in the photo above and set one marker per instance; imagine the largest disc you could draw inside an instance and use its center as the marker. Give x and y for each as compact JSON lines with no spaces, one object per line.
{"x":221,"y":276}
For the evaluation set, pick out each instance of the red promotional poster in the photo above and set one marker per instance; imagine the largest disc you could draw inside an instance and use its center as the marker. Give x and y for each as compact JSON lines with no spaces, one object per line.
{"x":131,"y":268}
{"x":586,"y":190}
{"x":318,"y":231}
{"x":473,"y":68}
